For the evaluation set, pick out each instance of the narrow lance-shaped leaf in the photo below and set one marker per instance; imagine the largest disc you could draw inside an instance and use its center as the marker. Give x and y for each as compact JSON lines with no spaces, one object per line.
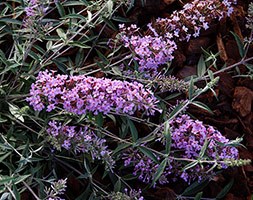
{"x":239,"y":44}
{"x":148,"y":153}
{"x":201,"y":67}
{"x":204,"y":148}
{"x":195,"y":187}
{"x":202,"y":106}
{"x":15,"y":193}
{"x":150,"y":137}
{"x":60,"y":9}
{"x":99,"y":119}
{"x":225,"y":190}
{"x":191,"y":88}
{"x":167,"y":135}
{"x":190,"y":165}
{"x":160,"y":170}
{"x":121,"y":147}
{"x":133,"y":130}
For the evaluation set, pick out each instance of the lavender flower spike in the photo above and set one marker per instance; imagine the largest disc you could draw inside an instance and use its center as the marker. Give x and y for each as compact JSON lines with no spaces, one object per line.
{"x":81,"y":94}
{"x":79,"y":139}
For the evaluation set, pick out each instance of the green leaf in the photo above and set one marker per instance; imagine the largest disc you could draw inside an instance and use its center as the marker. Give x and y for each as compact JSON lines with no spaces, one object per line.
{"x":15,"y":111}
{"x":49,"y":45}
{"x":201,"y":67}
{"x":99,"y":119}
{"x":110,"y":6}
{"x":11,"y":21}
{"x":172,"y":96}
{"x":89,"y":16}
{"x":121,"y":19}
{"x":210,"y":74}
{"x":79,"y":44}
{"x":150,"y":137}
{"x":60,"y":9}
{"x":102,"y":57}
{"x":74,"y":3}
{"x":176,"y":111}
{"x":160,"y":170}
{"x":239,"y":44}
{"x":198,"y":196}
{"x":120,"y":147}
{"x":167,"y":135}
{"x":249,"y":66}
{"x":225,"y":190}
{"x":61,"y":34}
{"x":116,"y":71}
{"x":148,"y":153}
{"x":16,"y":180}
{"x":80,"y":55}
{"x":5,"y":196}
{"x":203,"y":149}
{"x":74,"y":16}
{"x":202,"y":106}
{"x":86,"y":193}
{"x":34,"y":55}
{"x":10,"y":67}
{"x":133,"y":130}
{"x":16,"y":192}
{"x":3,"y":57}
{"x":3,"y":120}
{"x":4,"y":156}
{"x":110,"y":24}
{"x":191,"y":88}
{"x":195,"y":187}
{"x":117,"y":186}
{"x":190,"y":165}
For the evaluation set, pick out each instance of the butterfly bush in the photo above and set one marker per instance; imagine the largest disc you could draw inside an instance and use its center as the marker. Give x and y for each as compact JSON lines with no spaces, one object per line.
{"x":81,"y":94}
{"x":79,"y":139}
{"x":188,"y":138}
{"x":158,"y":44}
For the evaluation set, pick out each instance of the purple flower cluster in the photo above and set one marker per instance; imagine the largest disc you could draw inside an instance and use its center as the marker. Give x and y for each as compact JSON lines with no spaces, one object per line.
{"x":189,"y":135}
{"x":188,"y":138}
{"x":80,"y":140}
{"x":194,"y":16}
{"x":80,"y":94}
{"x":156,"y":47}
{"x":144,"y":167}
{"x":35,"y":8}
{"x":150,"y":51}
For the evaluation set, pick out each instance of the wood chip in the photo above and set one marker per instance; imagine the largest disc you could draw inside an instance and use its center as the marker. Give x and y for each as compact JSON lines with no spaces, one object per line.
{"x":242,"y":101}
